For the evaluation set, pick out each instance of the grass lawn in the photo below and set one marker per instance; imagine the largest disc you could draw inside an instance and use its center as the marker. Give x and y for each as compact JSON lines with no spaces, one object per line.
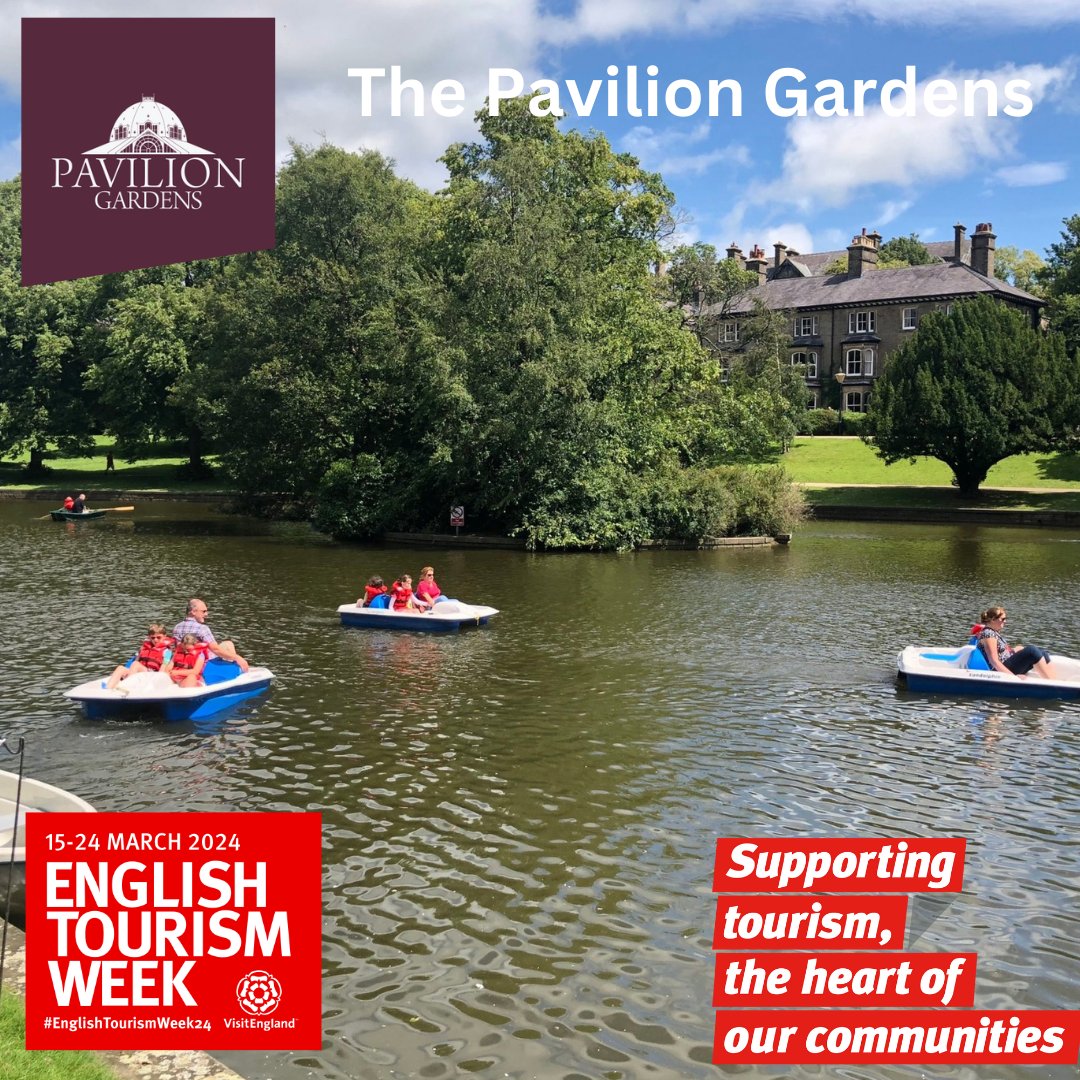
{"x":823,"y":459}
{"x":19,"y":1064}
{"x":88,"y":473}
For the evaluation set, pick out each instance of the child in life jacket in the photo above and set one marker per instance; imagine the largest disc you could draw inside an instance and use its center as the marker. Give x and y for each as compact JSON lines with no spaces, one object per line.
{"x":153,"y":654}
{"x":375,"y":587}
{"x":188,"y":661}
{"x":401,"y":594}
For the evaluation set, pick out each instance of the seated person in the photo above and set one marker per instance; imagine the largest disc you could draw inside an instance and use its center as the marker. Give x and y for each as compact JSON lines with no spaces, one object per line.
{"x":375,"y":587}
{"x":153,"y":654}
{"x":188,"y":661}
{"x":401,"y":595}
{"x":79,"y":505}
{"x":1002,"y":657}
{"x":69,"y":502}
{"x":428,"y":593}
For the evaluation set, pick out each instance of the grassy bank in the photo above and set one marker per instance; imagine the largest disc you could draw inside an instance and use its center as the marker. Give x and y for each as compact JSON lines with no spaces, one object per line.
{"x":837,"y":460}
{"x":166,"y":472}
{"x":16,"y":1063}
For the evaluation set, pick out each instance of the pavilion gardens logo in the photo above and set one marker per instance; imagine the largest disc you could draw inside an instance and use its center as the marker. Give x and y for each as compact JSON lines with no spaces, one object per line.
{"x":151,"y":193}
{"x":148,"y":164}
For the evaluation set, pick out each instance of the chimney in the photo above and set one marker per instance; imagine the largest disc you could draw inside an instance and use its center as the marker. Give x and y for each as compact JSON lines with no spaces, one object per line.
{"x":958,"y":243}
{"x":735,"y":252}
{"x":756,"y":263}
{"x":861,"y":255}
{"x":780,"y":253}
{"x":982,"y":249}
{"x":875,"y":236}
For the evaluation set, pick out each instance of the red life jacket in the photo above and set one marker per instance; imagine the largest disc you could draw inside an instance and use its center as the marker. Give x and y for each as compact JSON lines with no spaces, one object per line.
{"x":401,"y":594}
{"x":152,"y":656}
{"x":186,"y":660}
{"x":370,"y":593}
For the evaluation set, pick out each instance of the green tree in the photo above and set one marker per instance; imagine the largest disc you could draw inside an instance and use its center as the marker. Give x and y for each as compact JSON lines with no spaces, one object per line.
{"x":582,"y":381}
{"x":42,"y":401}
{"x":1061,"y":281}
{"x":903,"y":251}
{"x":148,"y":337}
{"x":1020,"y":268}
{"x":327,"y":346}
{"x":973,"y":387}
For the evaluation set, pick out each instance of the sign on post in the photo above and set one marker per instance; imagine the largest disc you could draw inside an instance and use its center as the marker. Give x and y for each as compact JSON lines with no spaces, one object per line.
{"x":457,"y":516}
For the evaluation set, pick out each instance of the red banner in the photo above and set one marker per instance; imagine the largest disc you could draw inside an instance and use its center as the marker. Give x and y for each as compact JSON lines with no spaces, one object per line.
{"x":909,"y":865}
{"x":865,"y":1037}
{"x":173,"y":931}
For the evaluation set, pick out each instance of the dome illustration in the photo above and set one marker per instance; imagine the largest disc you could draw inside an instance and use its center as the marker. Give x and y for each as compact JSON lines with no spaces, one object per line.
{"x":147,"y":127}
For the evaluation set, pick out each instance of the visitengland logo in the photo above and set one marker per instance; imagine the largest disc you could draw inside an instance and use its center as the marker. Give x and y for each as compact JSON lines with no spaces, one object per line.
{"x":186,"y":168}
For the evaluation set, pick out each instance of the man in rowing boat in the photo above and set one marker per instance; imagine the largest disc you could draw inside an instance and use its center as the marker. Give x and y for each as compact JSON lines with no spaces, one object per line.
{"x":195,"y":623}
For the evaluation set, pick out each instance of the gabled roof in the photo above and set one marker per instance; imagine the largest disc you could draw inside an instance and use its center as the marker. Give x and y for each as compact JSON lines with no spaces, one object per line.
{"x":936,"y":281}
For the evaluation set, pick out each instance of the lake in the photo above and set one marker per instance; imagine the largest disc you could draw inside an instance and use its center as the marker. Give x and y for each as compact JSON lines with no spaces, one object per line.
{"x":520,"y":821}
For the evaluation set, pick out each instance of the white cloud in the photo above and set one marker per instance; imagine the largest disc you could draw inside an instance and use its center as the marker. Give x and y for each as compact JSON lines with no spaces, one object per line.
{"x":668,"y":151}
{"x":601,"y":20}
{"x":318,"y":40}
{"x":828,"y":159}
{"x":737,"y":227}
{"x":1033,"y":174}
{"x":892,"y":210}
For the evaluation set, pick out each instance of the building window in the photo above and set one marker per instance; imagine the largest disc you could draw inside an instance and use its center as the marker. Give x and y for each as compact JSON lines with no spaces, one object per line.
{"x":731,"y":333}
{"x":911,"y":319}
{"x":857,"y":400}
{"x":808,"y":360}
{"x":861,"y":322}
{"x":811,"y":401}
{"x":804,"y":326}
{"x":859,"y":362}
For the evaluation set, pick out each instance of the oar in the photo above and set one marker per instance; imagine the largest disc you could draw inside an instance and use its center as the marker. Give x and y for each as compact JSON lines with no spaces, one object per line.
{"x":114,"y":509}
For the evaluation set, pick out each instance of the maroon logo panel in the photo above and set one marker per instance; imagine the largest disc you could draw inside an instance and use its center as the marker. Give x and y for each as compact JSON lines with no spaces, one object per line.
{"x":144,"y":142}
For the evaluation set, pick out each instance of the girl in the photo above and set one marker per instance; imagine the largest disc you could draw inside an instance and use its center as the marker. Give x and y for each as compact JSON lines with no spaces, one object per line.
{"x":401,"y":595}
{"x":188,"y":662}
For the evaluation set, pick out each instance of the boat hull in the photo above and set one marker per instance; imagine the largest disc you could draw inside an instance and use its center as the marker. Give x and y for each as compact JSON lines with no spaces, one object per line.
{"x":154,"y":692}
{"x":926,"y":669}
{"x":448,"y":616}
{"x":35,"y":796}
{"x":67,"y":515}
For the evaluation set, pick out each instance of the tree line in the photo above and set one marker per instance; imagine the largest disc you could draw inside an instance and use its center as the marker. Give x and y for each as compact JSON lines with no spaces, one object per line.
{"x":505,"y":344}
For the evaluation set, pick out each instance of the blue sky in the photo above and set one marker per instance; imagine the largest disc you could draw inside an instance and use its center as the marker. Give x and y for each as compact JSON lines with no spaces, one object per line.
{"x":759,"y":178}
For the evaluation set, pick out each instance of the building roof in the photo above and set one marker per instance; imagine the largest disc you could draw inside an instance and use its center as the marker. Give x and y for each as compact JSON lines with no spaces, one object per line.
{"x":816,"y":261}
{"x":935,"y":281}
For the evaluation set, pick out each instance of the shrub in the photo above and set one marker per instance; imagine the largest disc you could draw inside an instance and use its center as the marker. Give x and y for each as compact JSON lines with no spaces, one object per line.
{"x":350,"y":503}
{"x":730,"y":500}
{"x":691,"y":504}
{"x":767,"y":501}
{"x":856,"y":423}
{"x":819,"y":422}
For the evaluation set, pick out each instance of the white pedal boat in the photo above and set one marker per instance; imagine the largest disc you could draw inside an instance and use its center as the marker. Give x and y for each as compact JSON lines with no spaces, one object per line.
{"x":35,"y":796}
{"x":943,"y":670}
{"x":153,"y":691}
{"x":445,"y":615}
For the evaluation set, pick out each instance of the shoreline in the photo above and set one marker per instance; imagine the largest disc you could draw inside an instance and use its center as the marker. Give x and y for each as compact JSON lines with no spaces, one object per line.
{"x":931,"y":515}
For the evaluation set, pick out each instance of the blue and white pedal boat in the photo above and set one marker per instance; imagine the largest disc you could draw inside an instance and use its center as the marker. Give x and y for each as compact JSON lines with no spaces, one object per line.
{"x":937,"y":670}
{"x":446,"y":615}
{"x":153,"y":691}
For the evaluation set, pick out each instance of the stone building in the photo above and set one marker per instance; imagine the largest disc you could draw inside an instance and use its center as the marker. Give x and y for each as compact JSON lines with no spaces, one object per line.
{"x":844,"y":326}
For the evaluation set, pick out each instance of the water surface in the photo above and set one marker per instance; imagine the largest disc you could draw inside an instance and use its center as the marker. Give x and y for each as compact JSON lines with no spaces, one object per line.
{"x":519,"y":821}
